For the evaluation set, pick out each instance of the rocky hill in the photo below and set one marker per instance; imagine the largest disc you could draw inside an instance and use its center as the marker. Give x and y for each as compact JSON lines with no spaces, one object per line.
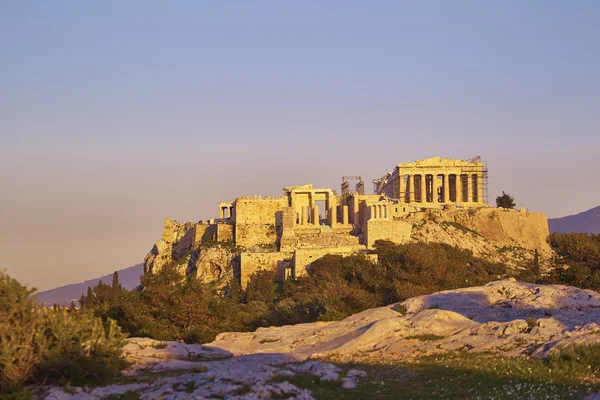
{"x":587,"y":221}
{"x":506,"y":236}
{"x":502,"y":318}
{"x":63,"y":295}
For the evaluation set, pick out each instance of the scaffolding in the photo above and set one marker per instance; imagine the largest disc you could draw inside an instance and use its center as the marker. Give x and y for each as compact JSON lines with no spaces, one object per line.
{"x":484,"y":175}
{"x":359,"y":187}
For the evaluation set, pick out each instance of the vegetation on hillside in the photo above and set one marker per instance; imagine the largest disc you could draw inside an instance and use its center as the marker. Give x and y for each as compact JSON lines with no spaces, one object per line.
{"x":84,"y":345}
{"x":40,"y":345}
{"x":579,"y":259}
{"x":170,"y":307}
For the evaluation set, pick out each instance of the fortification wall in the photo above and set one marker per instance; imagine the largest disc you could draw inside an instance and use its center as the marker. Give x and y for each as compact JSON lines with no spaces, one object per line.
{"x":303,"y":258}
{"x":386,"y":229}
{"x":255,"y":220}
{"x":224,"y":233}
{"x":503,"y":227}
{"x":254,"y":262}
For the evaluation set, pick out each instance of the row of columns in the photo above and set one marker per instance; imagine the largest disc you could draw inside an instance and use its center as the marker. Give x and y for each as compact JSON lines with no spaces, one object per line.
{"x":473,"y":189}
{"x":310,"y":215}
{"x":378,"y":211}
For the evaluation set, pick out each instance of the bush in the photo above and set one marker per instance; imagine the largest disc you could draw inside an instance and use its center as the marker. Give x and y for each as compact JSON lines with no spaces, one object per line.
{"x":581,"y":254}
{"x":53,"y":345}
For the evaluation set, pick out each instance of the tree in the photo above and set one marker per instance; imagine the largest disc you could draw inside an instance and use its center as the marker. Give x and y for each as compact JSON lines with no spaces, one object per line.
{"x":505,"y":201}
{"x":116,"y":286}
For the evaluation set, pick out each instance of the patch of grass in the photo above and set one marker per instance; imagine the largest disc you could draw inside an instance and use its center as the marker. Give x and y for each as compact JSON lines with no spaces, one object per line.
{"x":147,"y":374}
{"x":242,"y":390}
{"x":16,"y":396}
{"x":269,"y":341}
{"x":131,"y":395}
{"x":578,"y":360}
{"x":466,"y":376}
{"x":532,"y":323}
{"x":460,"y":227}
{"x":400,"y":308}
{"x":424,"y":338}
{"x":506,"y":249}
{"x":187,"y":387}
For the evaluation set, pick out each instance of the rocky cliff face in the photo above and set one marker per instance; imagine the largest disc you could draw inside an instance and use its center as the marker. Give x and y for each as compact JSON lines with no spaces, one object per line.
{"x":506,"y":236}
{"x":195,"y":254}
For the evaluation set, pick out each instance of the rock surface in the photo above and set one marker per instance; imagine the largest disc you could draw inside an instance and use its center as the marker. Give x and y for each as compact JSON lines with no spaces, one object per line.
{"x":507,"y":317}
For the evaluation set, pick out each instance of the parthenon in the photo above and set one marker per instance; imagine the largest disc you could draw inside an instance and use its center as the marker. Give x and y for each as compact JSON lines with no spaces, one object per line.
{"x":436,"y":181}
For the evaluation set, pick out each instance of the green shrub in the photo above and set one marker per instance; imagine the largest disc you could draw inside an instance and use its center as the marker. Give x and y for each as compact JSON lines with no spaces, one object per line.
{"x":53,"y":345}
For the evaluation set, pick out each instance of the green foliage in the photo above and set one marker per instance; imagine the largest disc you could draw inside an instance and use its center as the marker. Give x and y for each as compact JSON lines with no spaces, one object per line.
{"x":53,"y":345}
{"x":505,"y":201}
{"x":425,"y":337}
{"x":461,"y":227}
{"x":579,"y":262}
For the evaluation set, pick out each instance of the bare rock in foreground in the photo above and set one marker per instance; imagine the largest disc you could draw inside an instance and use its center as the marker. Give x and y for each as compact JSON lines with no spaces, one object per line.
{"x":506,"y":317}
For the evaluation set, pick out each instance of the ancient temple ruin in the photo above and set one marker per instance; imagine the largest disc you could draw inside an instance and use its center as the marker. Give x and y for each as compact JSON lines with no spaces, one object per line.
{"x":436,"y":181}
{"x":289,"y":232}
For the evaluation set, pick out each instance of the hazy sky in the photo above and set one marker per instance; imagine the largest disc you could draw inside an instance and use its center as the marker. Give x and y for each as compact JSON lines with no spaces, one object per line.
{"x":116,"y":114}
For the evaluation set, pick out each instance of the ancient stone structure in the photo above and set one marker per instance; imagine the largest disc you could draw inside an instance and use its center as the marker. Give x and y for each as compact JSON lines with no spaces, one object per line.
{"x":436,"y":181}
{"x":286,"y":234}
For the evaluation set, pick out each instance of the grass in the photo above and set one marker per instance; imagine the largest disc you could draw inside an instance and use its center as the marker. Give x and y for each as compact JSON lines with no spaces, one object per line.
{"x":424,"y":338}
{"x":16,"y":396}
{"x":269,"y":341}
{"x":573,"y":374}
{"x":460,"y":227}
{"x":131,"y":395}
{"x":187,"y":387}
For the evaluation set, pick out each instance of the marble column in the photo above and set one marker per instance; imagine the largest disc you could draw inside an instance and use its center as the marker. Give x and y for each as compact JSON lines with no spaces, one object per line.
{"x":411,"y":188}
{"x":446,"y":186}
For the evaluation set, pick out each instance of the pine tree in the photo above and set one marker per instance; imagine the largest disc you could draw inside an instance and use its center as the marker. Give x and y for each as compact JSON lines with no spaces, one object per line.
{"x":505,"y":201}
{"x":116,"y":286}
{"x":536,"y":264}
{"x":89,"y":300}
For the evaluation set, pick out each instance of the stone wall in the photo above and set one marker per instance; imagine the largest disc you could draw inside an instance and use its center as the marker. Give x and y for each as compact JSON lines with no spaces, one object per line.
{"x":205,"y":233}
{"x":385,"y":229}
{"x":253,"y":262}
{"x":504,"y":227}
{"x":303,"y":258}
{"x":255,"y":220}
{"x":224,"y":233}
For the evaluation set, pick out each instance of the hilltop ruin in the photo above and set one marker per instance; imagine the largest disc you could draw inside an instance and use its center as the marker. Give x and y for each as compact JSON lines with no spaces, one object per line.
{"x":432,"y":200}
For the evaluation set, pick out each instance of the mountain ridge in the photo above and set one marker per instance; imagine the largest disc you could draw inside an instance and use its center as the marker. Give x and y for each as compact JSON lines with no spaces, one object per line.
{"x":129,"y":278}
{"x":586,"y":221}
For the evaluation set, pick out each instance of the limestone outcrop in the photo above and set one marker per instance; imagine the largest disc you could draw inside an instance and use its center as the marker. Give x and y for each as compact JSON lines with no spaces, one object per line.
{"x":505,"y":236}
{"x":174,"y":245}
{"x":503,"y":317}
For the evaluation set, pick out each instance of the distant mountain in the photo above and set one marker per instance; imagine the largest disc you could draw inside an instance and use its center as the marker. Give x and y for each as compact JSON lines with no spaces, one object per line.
{"x":128,"y":277}
{"x":587,"y":221}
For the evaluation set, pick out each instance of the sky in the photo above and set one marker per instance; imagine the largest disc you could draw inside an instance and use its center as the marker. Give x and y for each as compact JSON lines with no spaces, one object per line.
{"x":115,"y":115}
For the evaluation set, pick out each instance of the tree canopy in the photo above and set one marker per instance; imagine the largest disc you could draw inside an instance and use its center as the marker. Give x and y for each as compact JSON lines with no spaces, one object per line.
{"x":505,"y":201}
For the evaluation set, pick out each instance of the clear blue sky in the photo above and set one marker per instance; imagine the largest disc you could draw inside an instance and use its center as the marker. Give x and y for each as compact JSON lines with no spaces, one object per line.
{"x":114,"y":115}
